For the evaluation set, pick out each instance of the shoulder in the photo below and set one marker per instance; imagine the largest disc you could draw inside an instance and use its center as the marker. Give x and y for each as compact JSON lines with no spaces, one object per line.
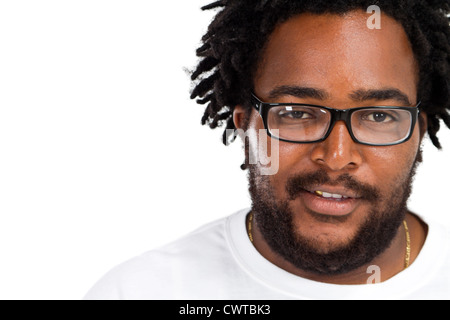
{"x":433,"y":271}
{"x":443,"y":242}
{"x":171,"y":269}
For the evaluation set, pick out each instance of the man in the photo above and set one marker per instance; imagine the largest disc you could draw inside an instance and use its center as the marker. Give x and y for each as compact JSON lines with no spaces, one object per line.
{"x":340,"y":95}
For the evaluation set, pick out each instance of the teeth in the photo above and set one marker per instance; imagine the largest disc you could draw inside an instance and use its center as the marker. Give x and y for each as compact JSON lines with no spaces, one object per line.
{"x":330,"y":195}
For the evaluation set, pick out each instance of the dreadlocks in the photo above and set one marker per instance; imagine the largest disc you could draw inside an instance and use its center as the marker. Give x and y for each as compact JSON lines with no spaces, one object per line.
{"x":233,"y":45}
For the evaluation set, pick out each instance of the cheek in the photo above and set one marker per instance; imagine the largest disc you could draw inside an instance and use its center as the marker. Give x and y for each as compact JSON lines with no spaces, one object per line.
{"x":277,"y":160}
{"x":401,"y":156}
{"x":292,"y":159}
{"x":390,"y":167}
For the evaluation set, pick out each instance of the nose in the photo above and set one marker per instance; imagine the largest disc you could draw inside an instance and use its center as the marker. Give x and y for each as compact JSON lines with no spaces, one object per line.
{"x":338,"y":152}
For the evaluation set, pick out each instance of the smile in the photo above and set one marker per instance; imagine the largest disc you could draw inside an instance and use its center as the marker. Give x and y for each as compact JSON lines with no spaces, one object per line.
{"x":324,"y":194}
{"x":335,"y":201}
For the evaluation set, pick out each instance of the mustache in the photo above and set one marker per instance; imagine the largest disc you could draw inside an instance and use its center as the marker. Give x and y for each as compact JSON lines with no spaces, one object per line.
{"x":301,"y":182}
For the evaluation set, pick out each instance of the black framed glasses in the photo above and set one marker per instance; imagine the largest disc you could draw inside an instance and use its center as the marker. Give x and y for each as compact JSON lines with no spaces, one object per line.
{"x":305,"y":123}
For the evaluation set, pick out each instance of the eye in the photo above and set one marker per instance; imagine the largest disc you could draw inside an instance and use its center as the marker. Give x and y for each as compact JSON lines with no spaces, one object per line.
{"x":380,"y":117}
{"x":290,"y":113}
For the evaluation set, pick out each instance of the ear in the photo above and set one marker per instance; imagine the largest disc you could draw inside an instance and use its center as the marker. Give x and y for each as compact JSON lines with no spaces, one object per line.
{"x":240,"y":117}
{"x":423,"y":124}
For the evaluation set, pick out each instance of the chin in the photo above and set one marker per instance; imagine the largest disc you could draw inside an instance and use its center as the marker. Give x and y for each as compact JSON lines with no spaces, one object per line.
{"x":326,"y":233}
{"x":325,"y":239}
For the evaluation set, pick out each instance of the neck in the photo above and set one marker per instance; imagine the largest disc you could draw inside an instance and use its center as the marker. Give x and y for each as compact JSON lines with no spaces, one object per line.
{"x":388,"y":264}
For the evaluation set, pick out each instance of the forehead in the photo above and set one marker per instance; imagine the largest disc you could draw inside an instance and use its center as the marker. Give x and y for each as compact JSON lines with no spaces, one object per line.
{"x":338,"y":53}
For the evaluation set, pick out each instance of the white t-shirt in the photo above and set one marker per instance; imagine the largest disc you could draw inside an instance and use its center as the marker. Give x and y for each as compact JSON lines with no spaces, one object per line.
{"x":218,"y":262}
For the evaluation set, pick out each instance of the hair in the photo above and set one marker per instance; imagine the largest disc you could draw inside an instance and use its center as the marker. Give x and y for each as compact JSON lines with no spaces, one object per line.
{"x":233,"y":45}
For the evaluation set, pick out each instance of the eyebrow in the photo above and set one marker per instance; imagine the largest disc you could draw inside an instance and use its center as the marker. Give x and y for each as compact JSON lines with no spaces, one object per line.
{"x":381,"y":95}
{"x":298,"y":92}
{"x":357,"y":96}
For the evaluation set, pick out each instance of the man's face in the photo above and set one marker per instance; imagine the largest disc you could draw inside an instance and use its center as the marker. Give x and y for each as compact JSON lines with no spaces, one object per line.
{"x":347,"y":62}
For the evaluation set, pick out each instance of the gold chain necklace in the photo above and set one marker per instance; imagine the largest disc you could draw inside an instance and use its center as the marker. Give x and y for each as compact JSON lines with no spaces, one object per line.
{"x":405,"y":225}
{"x":408,"y":245}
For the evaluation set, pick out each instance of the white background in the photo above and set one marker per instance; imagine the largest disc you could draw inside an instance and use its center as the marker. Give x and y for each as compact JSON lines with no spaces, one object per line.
{"x":102,"y":155}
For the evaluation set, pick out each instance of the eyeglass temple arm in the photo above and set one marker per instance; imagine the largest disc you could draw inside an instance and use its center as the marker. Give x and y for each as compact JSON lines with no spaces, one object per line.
{"x":256,"y":103}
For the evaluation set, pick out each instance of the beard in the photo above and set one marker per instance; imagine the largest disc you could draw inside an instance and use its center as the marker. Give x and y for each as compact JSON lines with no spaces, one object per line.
{"x":275,"y":220}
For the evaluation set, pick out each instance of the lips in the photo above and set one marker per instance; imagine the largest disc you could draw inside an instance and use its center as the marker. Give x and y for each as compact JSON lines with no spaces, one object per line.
{"x":336,"y":193}
{"x":332,"y":201}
